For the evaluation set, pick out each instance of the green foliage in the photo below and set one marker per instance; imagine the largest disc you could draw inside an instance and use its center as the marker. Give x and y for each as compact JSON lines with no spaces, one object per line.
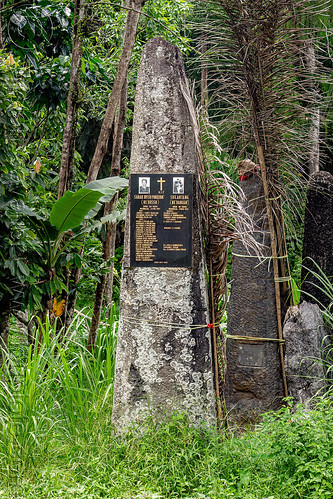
{"x":15,"y":241}
{"x":21,"y":265}
{"x":50,"y":82}
{"x":52,"y":397}
{"x":295,"y":291}
{"x":167,"y":19}
{"x":43,"y":26}
{"x":57,"y":438}
{"x":56,"y":236}
{"x":70,"y":210}
{"x":305,"y":450}
{"x":13,"y":91}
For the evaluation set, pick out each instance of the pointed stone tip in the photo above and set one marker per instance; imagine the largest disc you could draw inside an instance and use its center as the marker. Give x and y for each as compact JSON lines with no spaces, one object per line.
{"x":322,"y":179}
{"x":158,"y":41}
{"x":162,"y":49}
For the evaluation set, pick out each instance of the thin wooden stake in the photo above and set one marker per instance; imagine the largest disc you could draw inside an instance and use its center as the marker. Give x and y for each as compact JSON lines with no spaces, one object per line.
{"x":214,"y":344}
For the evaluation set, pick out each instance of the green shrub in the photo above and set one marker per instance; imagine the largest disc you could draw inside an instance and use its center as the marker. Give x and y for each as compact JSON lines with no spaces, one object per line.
{"x":57,"y":440}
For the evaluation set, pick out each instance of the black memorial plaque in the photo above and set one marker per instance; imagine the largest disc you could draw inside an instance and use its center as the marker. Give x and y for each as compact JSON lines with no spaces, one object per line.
{"x":251,"y":355}
{"x":161,"y":220}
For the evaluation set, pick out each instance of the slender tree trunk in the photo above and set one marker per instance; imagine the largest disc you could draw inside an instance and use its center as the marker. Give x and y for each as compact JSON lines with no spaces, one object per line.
{"x":111,"y":232}
{"x":118,"y":133}
{"x":96,"y":315}
{"x":131,"y":29}
{"x":105,"y":284}
{"x":68,"y":145}
{"x":115,"y":171}
{"x":310,"y":55}
{"x":5,"y":306}
{"x":1,"y":40}
{"x":99,"y":294}
{"x":204,"y":75}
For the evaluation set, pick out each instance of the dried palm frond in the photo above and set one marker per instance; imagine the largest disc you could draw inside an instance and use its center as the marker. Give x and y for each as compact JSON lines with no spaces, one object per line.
{"x":262,"y":95}
{"x":261,"y":87}
{"x":224,"y":219}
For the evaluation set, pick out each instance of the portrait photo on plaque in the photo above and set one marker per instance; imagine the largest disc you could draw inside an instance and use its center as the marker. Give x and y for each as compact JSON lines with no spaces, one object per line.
{"x":178,"y":185}
{"x":144,"y":185}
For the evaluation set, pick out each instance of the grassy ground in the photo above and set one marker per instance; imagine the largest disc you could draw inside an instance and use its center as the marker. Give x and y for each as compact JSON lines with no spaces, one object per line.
{"x":56,"y":439}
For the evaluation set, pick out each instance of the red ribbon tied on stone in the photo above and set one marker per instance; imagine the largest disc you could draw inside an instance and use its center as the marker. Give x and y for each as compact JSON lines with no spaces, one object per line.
{"x":246,"y":169}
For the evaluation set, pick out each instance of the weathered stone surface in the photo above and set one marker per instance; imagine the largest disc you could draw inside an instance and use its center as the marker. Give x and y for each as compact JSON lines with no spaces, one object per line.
{"x":304,"y":334}
{"x":253,"y":373}
{"x":164,"y":365}
{"x":318,"y":236}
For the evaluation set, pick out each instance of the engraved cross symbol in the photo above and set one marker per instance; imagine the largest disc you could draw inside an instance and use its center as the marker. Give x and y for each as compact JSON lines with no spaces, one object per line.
{"x":160,"y":181}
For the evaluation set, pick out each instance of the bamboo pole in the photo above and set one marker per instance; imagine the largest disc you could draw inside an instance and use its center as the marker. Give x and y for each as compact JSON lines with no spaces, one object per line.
{"x":214,"y":345}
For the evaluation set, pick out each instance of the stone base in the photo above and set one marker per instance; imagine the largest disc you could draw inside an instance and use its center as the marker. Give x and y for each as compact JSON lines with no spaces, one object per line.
{"x":304,"y":334}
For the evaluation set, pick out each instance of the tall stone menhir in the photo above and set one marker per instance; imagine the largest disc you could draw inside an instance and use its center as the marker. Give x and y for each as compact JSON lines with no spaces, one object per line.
{"x":318,"y":238}
{"x":164,"y":352}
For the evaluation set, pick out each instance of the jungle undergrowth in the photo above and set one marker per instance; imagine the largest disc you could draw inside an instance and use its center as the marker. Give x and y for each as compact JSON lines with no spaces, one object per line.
{"x":57,"y":440}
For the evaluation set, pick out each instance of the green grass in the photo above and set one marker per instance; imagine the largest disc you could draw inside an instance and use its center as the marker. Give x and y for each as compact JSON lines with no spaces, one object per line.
{"x":286,"y":457}
{"x":56,"y":438}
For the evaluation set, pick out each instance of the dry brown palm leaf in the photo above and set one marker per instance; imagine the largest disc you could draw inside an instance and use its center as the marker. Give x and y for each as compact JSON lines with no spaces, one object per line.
{"x":223,"y":219}
{"x":262,"y":96}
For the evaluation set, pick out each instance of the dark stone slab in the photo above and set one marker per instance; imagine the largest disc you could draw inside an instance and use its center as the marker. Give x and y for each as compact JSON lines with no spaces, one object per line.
{"x":253,"y":372}
{"x":318,"y":237}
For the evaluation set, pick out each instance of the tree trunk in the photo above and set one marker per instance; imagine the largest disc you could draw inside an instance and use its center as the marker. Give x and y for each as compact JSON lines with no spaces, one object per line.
{"x":5,"y":306}
{"x":310,"y":55}
{"x":68,"y":145}
{"x":106,"y":281}
{"x":204,"y":75}
{"x":1,"y":40}
{"x":100,"y":288}
{"x":115,"y":171}
{"x":111,"y":232}
{"x":131,"y":29}
{"x":118,"y":132}
{"x":96,"y":315}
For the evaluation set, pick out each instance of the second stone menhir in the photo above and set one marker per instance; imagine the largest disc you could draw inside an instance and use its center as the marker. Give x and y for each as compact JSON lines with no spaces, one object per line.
{"x":253,"y":383}
{"x":163,"y":359}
